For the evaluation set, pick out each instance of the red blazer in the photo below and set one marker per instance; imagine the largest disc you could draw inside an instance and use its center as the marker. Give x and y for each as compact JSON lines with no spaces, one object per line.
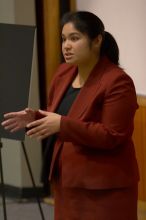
{"x":97,"y":151}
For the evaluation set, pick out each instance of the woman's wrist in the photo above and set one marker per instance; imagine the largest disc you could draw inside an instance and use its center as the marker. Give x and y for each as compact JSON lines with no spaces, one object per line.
{"x":58,"y":123}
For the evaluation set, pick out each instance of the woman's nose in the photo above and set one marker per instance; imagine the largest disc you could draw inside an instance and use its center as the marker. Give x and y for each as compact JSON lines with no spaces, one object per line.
{"x":67,"y":44}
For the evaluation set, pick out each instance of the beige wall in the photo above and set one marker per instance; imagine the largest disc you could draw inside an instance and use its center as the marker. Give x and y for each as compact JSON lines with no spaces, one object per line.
{"x":126,"y":21}
{"x":7,"y":11}
{"x":14,"y":164}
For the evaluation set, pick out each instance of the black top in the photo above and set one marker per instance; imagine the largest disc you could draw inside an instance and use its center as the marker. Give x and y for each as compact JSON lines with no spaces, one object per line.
{"x":67,"y":101}
{"x":62,"y":109}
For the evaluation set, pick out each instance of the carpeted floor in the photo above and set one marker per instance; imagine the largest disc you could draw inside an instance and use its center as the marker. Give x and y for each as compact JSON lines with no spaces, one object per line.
{"x":29,"y":210}
{"x":26,"y":210}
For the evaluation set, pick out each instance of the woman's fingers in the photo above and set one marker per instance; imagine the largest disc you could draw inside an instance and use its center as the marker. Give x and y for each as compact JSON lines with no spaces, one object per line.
{"x":35,"y":123}
{"x":39,"y":134}
{"x":35,"y":129}
{"x":45,"y":113}
{"x":16,"y":128}
{"x":15,"y":121}
{"x":9,"y":115}
{"x":8,"y":122}
{"x":11,"y":126}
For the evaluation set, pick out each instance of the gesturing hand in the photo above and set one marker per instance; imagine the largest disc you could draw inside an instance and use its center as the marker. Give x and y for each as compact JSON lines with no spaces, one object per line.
{"x":15,"y":121}
{"x":46,"y":126}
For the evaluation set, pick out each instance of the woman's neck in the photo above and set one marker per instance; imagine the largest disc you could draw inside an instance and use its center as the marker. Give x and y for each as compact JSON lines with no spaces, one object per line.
{"x":84,"y":71}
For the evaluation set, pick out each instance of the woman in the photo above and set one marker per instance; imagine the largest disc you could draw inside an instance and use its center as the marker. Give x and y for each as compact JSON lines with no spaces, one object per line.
{"x":91,"y":107}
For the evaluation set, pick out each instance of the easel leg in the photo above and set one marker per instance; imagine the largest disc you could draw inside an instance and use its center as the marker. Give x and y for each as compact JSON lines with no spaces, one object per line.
{"x":2,"y":184}
{"x":32,"y":179}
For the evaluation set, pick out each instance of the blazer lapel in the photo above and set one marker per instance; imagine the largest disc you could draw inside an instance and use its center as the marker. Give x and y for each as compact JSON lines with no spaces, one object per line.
{"x":62,"y":85}
{"x":89,"y":90}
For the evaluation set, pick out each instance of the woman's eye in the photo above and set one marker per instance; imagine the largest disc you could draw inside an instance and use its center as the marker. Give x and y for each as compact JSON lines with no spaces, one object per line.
{"x":74,"y":38}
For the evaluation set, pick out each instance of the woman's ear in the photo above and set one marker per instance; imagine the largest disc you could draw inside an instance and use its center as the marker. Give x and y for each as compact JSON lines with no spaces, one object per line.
{"x":98,"y":41}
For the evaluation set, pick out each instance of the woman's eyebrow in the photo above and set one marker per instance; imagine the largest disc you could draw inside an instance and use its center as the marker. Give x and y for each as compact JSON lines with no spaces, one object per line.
{"x":71,"y":34}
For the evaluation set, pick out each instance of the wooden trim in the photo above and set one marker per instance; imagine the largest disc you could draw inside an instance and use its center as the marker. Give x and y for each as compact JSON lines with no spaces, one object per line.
{"x":139,"y":137}
{"x":51,"y":37}
{"x":73,"y":5}
{"x":141,"y":100}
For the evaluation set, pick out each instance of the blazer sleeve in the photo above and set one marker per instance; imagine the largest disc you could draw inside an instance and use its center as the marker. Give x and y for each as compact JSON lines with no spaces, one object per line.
{"x":116,"y":125}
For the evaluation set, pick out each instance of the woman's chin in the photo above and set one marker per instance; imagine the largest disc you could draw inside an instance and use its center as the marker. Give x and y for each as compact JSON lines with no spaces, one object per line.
{"x":69,"y":61}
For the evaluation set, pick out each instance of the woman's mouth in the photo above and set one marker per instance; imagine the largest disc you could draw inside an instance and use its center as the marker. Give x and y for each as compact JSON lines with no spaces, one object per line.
{"x":68,"y":55}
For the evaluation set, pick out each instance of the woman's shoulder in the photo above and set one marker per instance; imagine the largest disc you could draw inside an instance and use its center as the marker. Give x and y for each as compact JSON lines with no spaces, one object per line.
{"x":114,"y":76}
{"x":115,"y":72}
{"x":117,"y":79}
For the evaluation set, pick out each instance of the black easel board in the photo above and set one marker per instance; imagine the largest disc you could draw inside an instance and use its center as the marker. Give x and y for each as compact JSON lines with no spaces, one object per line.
{"x":16,"y":52}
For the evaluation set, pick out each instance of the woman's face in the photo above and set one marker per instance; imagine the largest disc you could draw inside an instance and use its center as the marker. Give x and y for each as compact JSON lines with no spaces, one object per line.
{"x":76,"y":47}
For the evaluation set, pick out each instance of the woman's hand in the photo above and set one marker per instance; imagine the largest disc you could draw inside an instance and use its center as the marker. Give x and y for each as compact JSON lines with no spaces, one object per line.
{"x":15,"y":121}
{"x":48,"y":125}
